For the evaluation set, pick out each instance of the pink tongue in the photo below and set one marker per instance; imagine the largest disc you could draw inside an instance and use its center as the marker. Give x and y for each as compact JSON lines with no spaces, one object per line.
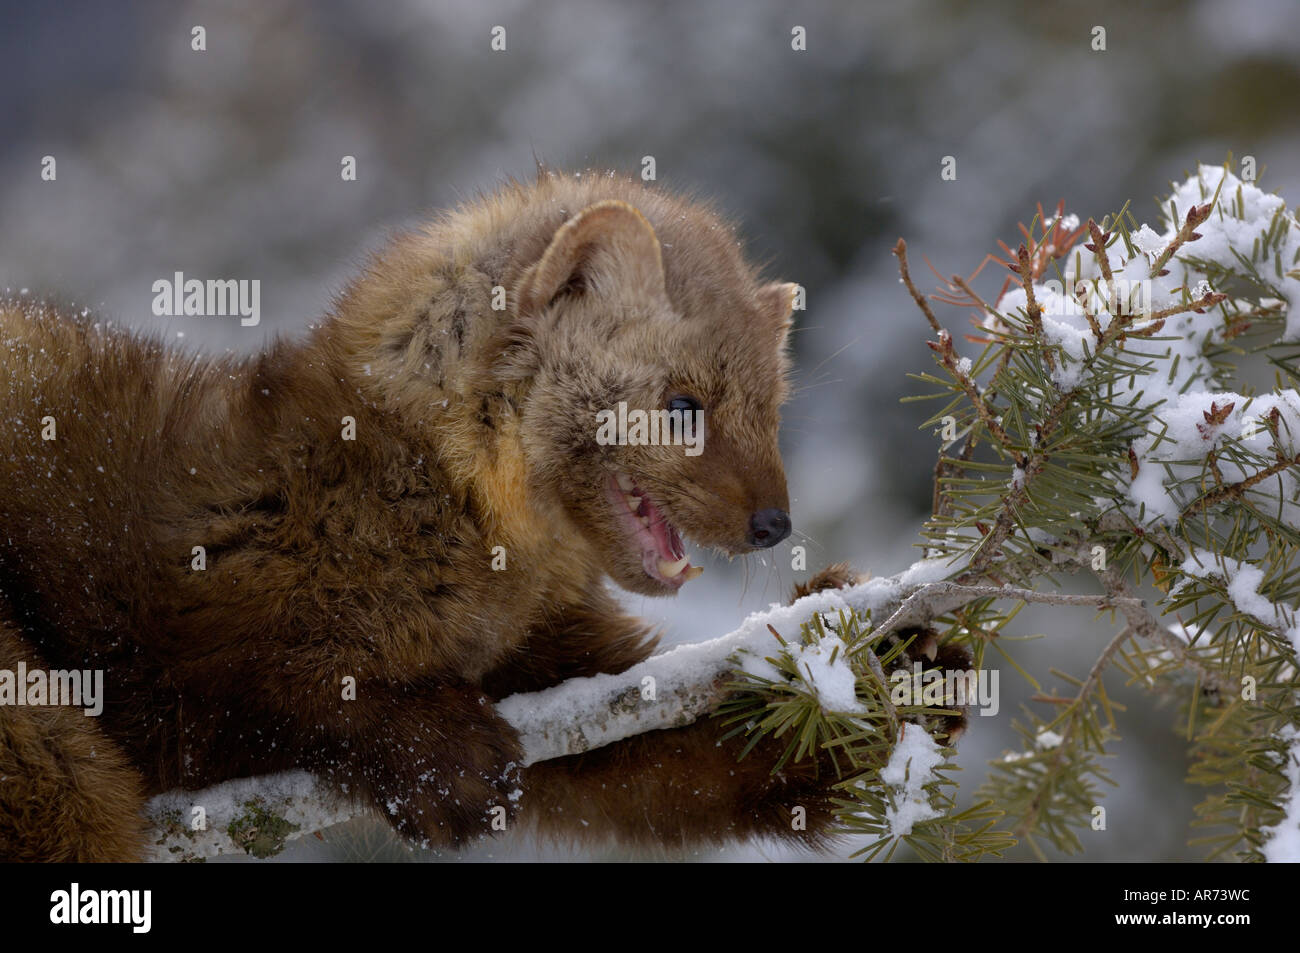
{"x":666,"y":539}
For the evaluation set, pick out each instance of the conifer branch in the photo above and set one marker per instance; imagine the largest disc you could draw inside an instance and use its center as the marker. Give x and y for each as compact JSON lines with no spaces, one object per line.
{"x":1148,"y":627}
{"x":1235,"y":491}
{"x":1076,"y":711}
{"x":1117,"y":408}
{"x":579,"y":715}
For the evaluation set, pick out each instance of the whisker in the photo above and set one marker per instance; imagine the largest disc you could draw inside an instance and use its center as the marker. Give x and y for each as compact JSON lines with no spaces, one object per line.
{"x":836,"y":354}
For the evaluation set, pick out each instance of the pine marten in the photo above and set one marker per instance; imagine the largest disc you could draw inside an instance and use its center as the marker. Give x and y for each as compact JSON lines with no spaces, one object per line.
{"x":451,"y":550}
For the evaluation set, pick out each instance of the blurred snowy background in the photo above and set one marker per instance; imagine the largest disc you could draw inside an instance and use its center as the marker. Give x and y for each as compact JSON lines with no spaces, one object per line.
{"x":225,"y":163}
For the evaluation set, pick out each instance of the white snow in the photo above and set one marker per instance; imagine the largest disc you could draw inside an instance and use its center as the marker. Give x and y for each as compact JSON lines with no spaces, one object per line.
{"x":1176,"y":453}
{"x":1283,"y":844}
{"x":833,"y":682}
{"x":911,"y":767}
{"x":1047,"y":740}
{"x":1232,"y":229}
{"x":921,"y":573}
{"x":1242,"y":582}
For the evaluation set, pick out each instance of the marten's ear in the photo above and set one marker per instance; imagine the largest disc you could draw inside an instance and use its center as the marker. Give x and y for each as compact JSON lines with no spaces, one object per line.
{"x":606,"y":245}
{"x":776,"y":304}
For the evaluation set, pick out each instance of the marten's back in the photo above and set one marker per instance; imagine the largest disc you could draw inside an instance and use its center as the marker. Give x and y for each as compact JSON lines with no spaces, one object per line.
{"x":88,"y":409}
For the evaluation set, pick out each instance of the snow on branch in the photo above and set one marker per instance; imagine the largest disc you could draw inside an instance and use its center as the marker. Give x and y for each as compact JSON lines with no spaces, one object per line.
{"x":258,"y":815}
{"x":1116,"y":401}
{"x":1242,"y":582}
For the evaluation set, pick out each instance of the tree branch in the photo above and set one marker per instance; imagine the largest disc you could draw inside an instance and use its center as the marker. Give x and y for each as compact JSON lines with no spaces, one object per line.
{"x":259,"y":815}
{"x":1077,"y":710}
{"x":1146,"y":625}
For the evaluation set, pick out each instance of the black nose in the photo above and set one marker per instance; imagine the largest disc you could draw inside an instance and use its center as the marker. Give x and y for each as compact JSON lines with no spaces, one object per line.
{"x":768,"y":527}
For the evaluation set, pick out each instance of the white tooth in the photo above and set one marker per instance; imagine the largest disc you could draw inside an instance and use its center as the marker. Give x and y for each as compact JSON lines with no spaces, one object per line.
{"x":671,"y":570}
{"x":633,"y":502}
{"x":693,"y":573}
{"x":625,"y":482}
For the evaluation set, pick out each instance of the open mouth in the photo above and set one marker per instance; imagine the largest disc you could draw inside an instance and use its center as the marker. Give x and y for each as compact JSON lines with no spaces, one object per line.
{"x":662,"y":555}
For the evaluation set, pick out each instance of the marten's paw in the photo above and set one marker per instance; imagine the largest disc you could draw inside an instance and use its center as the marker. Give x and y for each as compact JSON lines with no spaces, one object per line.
{"x":834,"y":576}
{"x":587,"y":643}
{"x":446,"y":775}
{"x":921,"y":646}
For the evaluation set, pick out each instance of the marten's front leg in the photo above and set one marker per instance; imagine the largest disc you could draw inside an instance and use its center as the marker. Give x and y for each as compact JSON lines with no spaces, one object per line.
{"x":429,"y":754}
{"x":433,"y":758}
{"x":591,"y":639}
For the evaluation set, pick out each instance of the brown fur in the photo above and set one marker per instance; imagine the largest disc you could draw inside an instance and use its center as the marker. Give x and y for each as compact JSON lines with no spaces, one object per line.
{"x":67,"y":792}
{"x":371,"y":558}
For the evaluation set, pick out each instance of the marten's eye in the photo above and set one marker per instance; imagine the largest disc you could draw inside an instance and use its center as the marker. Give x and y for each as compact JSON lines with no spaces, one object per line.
{"x":682,"y":410}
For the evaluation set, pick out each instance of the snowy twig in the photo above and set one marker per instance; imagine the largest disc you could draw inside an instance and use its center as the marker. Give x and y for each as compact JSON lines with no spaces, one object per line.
{"x":1033,"y":310}
{"x":1235,"y":491}
{"x":948,"y":358}
{"x":931,"y":597}
{"x":1196,"y":216}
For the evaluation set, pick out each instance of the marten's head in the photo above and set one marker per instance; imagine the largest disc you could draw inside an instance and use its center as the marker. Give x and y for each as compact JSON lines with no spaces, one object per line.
{"x":657,"y":367}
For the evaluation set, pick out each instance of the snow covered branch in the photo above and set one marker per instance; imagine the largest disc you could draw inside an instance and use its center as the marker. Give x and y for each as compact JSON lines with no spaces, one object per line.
{"x":1114,"y":421}
{"x":258,"y":815}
